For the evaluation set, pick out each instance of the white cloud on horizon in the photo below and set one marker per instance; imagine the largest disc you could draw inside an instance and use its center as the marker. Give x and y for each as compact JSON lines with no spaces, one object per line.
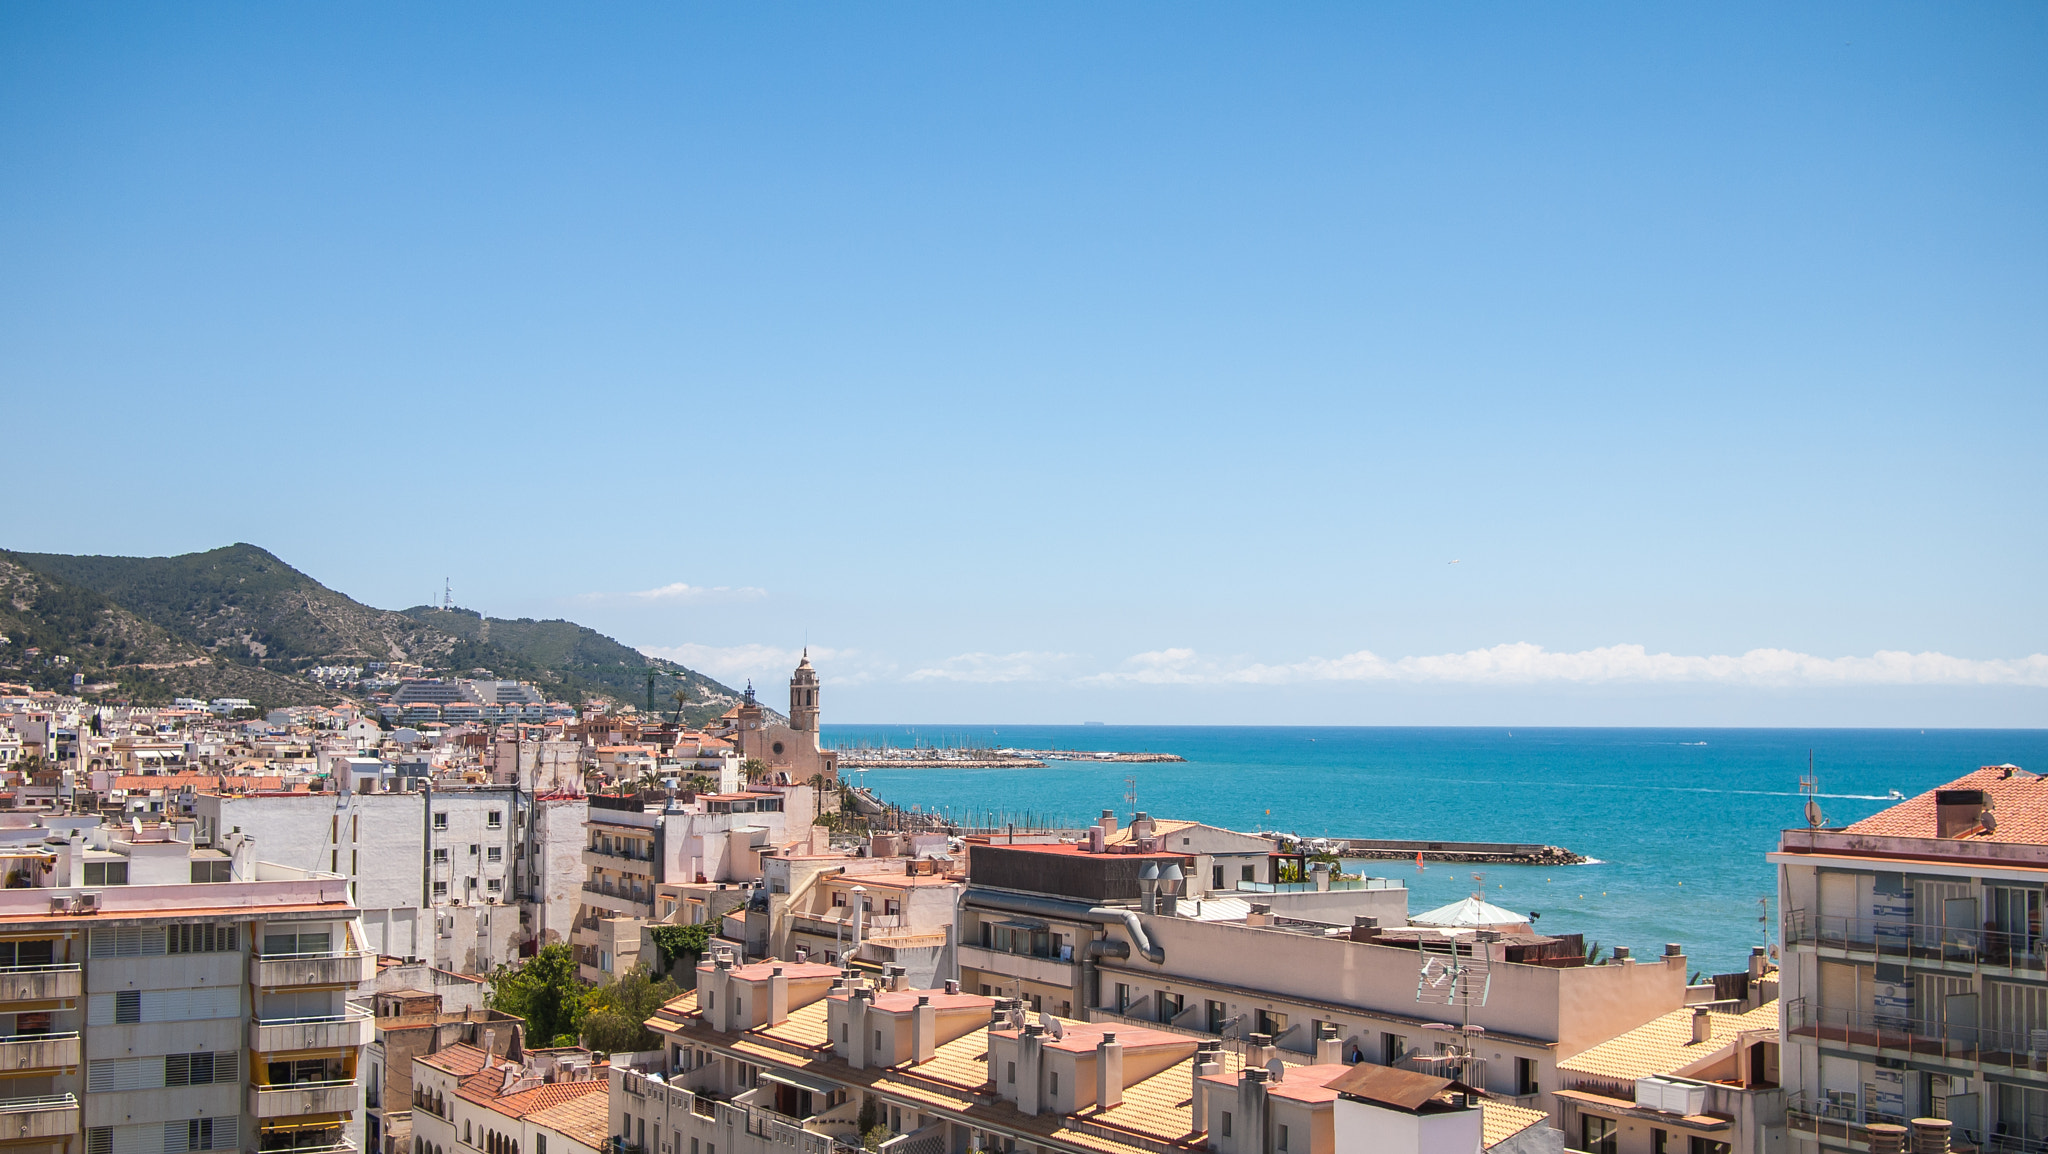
{"x":766,"y":664}
{"x":682,"y":591}
{"x":1507,"y":665}
{"x":992,"y":668}
{"x":1523,"y":663}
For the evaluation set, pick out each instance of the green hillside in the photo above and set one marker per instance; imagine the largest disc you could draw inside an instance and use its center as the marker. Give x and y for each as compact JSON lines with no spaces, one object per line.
{"x":239,"y":615}
{"x":531,"y":650}
{"x":80,"y":632}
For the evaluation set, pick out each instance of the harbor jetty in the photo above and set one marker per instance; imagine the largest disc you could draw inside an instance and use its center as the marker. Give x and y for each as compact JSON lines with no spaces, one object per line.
{"x":974,"y":757}
{"x":1498,"y":853}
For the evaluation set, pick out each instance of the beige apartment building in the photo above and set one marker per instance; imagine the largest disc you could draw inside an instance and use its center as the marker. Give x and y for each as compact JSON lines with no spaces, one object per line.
{"x":161,"y":997}
{"x":1072,"y":929}
{"x":789,"y":1058}
{"x":1916,"y":969}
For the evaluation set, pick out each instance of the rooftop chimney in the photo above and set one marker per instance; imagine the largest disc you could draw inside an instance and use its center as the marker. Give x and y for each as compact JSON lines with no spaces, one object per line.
{"x":1259,"y":1051}
{"x":1107,"y":822}
{"x":1886,"y":1138}
{"x":924,"y":1030}
{"x":1364,"y":929}
{"x":1702,"y":1025}
{"x":1959,"y":812}
{"x":1329,"y":1047}
{"x":1621,"y":955}
{"x":1109,"y":1071}
{"x":1758,"y":962}
{"x":1261,"y":915}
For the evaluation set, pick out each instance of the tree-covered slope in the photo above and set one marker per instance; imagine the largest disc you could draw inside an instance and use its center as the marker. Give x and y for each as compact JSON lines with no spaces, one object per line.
{"x":242,"y":608}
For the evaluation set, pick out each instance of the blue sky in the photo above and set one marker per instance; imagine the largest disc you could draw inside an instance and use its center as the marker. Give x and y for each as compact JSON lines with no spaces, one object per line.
{"x":1076,"y":362}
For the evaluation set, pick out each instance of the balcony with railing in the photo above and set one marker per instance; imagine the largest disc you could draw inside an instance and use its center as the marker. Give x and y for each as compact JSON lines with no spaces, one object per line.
{"x":2018,"y":1051}
{"x":41,"y":1116}
{"x":284,"y":1146}
{"x":1969,"y":946}
{"x":324,"y":968}
{"x":1847,"y":1121}
{"x":41,"y":983}
{"x":326,"y":1032}
{"x":302,"y":1098}
{"x":617,"y":899}
{"x":1337,"y":885}
{"x":37,"y":1053}
{"x":621,"y":859}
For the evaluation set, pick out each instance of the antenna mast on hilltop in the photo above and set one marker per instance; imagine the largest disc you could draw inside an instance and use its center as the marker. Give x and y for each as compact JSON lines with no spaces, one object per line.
{"x":447,"y":594}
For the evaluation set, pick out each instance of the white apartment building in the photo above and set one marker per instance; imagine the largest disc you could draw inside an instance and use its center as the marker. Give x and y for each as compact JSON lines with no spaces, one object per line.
{"x":1915,"y":971}
{"x":633,"y":846}
{"x":161,"y":997}
{"x":451,"y":876}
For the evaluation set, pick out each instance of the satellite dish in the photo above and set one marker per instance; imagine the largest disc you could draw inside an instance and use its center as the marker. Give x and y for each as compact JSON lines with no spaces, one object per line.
{"x":1016,"y":1018}
{"x":1053,"y":1027}
{"x":1277,"y":1069}
{"x":135,"y":823}
{"x":1814,"y":819}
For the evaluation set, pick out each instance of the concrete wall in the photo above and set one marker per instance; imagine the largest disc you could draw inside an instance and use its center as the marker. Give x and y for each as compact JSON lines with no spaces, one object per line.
{"x":1363,"y":1128}
{"x":556,"y":870}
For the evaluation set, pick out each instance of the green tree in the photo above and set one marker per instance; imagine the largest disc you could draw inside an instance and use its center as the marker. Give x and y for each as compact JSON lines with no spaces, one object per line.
{"x":546,"y":992}
{"x":618,"y":1012}
{"x":752,"y":768}
{"x":676,"y":942}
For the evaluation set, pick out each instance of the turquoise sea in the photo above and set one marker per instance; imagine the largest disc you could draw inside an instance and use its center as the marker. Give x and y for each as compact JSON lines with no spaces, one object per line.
{"x":1677,"y":820}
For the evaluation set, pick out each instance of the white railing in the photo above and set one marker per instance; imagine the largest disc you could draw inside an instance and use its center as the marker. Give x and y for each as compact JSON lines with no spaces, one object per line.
{"x":38,"y":1102}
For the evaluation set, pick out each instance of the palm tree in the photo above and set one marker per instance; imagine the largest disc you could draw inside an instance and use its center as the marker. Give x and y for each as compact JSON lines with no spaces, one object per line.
{"x":681,"y":697}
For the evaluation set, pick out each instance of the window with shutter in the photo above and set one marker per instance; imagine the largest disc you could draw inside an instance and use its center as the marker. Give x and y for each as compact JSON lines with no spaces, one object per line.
{"x":99,"y":1140}
{"x":177,"y":1069}
{"x":127,"y":1006}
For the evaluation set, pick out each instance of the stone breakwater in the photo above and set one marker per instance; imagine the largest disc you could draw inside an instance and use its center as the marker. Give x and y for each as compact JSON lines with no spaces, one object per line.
{"x":1506,"y":853}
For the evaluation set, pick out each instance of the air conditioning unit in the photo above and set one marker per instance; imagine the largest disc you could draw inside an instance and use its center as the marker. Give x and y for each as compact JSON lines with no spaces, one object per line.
{"x":87,"y":904}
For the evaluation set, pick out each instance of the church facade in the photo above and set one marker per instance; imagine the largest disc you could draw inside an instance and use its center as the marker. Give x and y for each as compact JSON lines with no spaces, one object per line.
{"x":790,"y":751}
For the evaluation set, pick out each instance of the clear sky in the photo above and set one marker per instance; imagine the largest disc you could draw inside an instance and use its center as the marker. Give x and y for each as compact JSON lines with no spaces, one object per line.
{"x":1310,"y":363}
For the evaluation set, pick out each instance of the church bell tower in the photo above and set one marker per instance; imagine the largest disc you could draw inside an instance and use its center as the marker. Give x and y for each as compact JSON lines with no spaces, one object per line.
{"x":803,"y":697}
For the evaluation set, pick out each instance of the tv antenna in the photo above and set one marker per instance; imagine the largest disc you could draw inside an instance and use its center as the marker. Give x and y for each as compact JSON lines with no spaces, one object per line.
{"x":1131,"y":794}
{"x":1449,"y":978}
{"x":447,"y":593}
{"x":1809,"y":785}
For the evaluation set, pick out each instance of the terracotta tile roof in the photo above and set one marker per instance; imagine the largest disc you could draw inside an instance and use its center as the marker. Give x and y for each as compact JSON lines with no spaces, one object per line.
{"x":1386,"y":1085}
{"x":904,"y":1001}
{"x":583,"y":1120}
{"x":1504,"y":1120}
{"x":551,"y":1096}
{"x":1159,"y":829}
{"x":1310,"y":1084}
{"x":2019,"y":802}
{"x":460,"y":1059}
{"x":1664,"y":1045}
{"x":763,"y":970}
{"x":1083,"y":1037}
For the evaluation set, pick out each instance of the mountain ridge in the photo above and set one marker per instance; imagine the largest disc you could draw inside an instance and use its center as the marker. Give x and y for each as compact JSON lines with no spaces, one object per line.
{"x":240,"y":615}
